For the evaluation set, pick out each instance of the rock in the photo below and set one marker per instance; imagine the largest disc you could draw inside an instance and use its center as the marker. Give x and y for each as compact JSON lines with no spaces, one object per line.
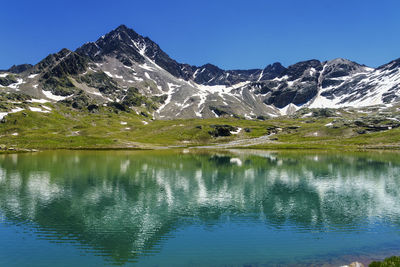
{"x":117,"y":107}
{"x":93,"y":108}
{"x":323,"y":112}
{"x":219,"y":111}
{"x":361,"y":131}
{"x":144,"y":114}
{"x":356,"y":264}
{"x":20,"y":68}
{"x":222,"y":130}
{"x":272,"y":130}
{"x":57,"y":70}
{"x":293,"y":127}
{"x":79,"y":101}
{"x":262,"y":117}
{"x":6,"y":81}
{"x":101,"y":81}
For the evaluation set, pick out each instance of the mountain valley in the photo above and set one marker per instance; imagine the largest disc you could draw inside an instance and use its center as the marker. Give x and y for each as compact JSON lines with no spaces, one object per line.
{"x":124,"y":78}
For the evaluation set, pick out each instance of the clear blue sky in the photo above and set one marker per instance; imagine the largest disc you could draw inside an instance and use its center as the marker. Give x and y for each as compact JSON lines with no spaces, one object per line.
{"x":231,"y":34}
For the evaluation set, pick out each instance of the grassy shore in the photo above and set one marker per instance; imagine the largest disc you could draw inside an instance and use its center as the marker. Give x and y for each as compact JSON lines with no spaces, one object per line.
{"x":66,"y":128}
{"x":388,"y":262}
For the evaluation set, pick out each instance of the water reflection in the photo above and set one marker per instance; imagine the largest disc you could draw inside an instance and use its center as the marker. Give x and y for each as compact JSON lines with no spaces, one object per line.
{"x":122,"y":205}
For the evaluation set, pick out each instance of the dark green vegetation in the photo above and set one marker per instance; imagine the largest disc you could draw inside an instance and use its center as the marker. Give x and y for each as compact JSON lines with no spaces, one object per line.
{"x":9,"y":79}
{"x":389,"y":262}
{"x":78,"y":122}
{"x":222,"y":130}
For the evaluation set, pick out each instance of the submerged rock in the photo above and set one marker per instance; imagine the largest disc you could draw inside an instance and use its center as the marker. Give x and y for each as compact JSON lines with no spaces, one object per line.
{"x":354,"y":264}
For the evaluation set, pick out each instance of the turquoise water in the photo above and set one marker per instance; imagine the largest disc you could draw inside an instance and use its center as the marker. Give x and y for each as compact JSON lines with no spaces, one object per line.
{"x":236,"y":208}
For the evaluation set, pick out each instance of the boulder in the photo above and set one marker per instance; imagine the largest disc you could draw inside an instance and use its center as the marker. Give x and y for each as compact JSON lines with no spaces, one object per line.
{"x":356,"y":264}
{"x":222,"y":130}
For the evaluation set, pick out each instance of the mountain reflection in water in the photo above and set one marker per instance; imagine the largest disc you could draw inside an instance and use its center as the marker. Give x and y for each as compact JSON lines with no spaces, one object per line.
{"x":124,"y":205}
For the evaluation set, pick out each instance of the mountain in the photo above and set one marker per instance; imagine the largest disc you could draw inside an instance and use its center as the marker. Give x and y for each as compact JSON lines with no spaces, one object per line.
{"x":19,"y":68}
{"x":130,"y":72}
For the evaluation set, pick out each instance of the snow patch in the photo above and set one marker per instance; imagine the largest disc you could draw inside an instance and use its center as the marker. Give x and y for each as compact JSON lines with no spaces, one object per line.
{"x":138,"y":79}
{"x":237,"y":131}
{"x":381,"y":82}
{"x":260,"y":77}
{"x":96,"y":93}
{"x":50,"y":95}
{"x":15,"y":110}
{"x":35,"y":109}
{"x":17,"y":84}
{"x":289,"y":109}
{"x":46,"y":107}
{"x":146,"y":67}
{"x":216,"y":115}
{"x":172,"y":88}
{"x":3,"y":114}
{"x":38,"y":101}
{"x":108,"y":74}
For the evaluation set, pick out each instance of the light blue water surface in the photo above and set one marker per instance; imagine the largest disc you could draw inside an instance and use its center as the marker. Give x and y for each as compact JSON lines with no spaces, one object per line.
{"x":170,"y":208}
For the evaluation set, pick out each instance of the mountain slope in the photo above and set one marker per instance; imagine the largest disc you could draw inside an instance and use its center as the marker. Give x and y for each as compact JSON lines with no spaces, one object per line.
{"x":125,"y":70}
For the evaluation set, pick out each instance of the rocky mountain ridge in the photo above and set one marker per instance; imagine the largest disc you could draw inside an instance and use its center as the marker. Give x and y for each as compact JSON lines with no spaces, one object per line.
{"x":126,"y":70}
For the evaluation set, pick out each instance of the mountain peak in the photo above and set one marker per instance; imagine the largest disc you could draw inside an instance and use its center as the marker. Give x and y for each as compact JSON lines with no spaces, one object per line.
{"x":391,"y":65}
{"x":340,"y":67}
{"x":211,"y":67}
{"x":122,"y":27}
{"x":120,"y":43}
{"x":64,"y":51}
{"x":19,"y":68}
{"x":272,"y":71}
{"x":340,"y":61}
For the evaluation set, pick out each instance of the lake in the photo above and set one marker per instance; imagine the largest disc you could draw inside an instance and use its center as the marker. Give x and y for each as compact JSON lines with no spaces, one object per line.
{"x":178,"y":208}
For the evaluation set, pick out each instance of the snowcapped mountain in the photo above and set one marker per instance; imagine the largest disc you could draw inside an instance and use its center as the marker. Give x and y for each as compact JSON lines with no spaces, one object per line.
{"x":123,"y":65}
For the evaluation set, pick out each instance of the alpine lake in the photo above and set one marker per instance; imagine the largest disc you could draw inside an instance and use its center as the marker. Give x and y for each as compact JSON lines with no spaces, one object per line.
{"x":198,"y":208}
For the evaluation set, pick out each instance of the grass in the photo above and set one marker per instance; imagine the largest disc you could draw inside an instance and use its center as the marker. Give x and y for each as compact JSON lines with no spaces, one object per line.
{"x":67,"y":128}
{"x":388,"y":262}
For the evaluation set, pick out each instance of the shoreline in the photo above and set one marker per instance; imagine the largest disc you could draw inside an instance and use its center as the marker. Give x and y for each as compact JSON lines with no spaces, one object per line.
{"x":222,"y":146}
{"x":340,"y":257}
